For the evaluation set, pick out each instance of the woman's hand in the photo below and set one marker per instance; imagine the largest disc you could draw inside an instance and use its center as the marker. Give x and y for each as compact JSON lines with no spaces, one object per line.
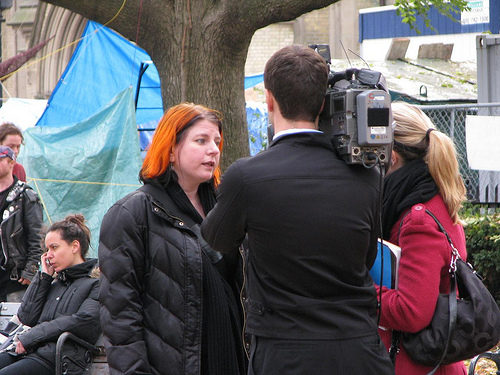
{"x":24,"y":281}
{"x":20,"y":348}
{"x":46,"y":266}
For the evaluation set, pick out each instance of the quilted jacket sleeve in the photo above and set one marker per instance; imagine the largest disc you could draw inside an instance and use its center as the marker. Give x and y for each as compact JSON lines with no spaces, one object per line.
{"x":34,"y":299}
{"x":122,"y":262}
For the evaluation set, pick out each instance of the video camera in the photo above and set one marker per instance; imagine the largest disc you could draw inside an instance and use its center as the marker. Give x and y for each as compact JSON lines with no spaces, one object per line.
{"x":357,"y":114}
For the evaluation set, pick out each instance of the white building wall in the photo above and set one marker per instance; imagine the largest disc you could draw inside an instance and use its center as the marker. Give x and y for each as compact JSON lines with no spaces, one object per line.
{"x":464,"y":46}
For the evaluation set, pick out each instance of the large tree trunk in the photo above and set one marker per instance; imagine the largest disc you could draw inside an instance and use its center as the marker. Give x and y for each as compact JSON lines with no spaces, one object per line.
{"x":199,"y":48}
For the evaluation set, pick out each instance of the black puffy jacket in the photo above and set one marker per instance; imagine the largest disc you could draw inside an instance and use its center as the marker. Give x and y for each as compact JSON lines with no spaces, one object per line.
{"x":151,"y":288}
{"x":53,"y":306}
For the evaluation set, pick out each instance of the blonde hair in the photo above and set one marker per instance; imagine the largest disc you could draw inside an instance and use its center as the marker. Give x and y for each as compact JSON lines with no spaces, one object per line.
{"x":413,"y":139}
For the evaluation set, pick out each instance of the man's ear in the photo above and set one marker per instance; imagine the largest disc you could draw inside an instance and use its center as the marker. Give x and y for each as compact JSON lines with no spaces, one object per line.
{"x":269,"y":101}
{"x":322,"y":106}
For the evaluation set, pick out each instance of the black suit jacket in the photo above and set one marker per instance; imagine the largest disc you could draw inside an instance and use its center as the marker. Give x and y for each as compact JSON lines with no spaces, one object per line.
{"x":312,"y":224}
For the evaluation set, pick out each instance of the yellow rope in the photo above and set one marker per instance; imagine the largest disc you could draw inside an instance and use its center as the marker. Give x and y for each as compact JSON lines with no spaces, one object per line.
{"x":29,"y":179}
{"x":41,"y":199}
{"x":25,"y":66}
{"x":117,"y":13}
{"x":83,"y":182}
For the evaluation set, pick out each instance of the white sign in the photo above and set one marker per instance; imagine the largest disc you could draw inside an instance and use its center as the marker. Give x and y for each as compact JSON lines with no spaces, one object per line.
{"x":482,"y":137}
{"x":479,"y":12}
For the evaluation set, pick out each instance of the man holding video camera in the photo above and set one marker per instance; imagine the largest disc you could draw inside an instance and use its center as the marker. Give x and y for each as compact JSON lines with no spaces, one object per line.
{"x":311,"y":222}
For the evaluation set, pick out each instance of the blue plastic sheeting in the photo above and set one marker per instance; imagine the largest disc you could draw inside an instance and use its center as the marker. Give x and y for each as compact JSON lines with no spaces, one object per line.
{"x":251,"y":81}
{"x":257,"y":126}
{"x":87,"y":166}
{"x":104,"y":64}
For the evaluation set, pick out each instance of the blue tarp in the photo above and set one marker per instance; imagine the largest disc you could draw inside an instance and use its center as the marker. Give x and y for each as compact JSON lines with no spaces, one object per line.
{"x":257,"y":126}
{"x":87,"y":166}
{"x":104,"y":64}
{"x":251,"y":81}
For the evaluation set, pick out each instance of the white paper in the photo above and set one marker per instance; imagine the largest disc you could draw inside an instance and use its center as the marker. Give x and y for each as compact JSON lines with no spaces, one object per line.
{"x":396,"y":250}
{"x":482,"y":136}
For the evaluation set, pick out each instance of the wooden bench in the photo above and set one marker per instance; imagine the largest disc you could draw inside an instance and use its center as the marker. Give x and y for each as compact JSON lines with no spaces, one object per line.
{"x":95,"y":362}
{"x":494,"y":356}
{"x":94,"y":356}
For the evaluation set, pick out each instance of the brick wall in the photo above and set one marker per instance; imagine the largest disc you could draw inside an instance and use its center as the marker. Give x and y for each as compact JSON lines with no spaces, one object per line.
{"x":265,"y":42}
{"x":316,"y":27}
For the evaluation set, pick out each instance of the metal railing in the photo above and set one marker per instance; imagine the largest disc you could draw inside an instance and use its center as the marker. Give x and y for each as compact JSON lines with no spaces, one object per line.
{"x":450,"y":119}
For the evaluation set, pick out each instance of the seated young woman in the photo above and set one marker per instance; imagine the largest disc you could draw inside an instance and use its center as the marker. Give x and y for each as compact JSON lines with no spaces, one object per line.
{"x":63,"y":297}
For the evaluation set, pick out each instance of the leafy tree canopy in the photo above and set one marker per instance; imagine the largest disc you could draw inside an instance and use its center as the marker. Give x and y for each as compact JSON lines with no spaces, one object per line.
{"x":410,"y":9}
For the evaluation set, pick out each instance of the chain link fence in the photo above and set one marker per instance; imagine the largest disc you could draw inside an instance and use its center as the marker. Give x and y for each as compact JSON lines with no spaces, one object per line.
{"x":450,"y":119}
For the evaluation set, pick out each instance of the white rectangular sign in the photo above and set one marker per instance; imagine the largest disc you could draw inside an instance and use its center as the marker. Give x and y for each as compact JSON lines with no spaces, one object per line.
{"x":482,"y":136}
{"x":479,"y":12}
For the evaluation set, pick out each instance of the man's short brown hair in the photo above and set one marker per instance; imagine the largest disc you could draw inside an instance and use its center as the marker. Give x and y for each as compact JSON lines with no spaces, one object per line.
{"x":297,"y":76}
{"x":9,"y":128}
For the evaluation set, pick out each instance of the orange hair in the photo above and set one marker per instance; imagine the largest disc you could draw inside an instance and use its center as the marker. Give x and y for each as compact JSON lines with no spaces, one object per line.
{"x":169,"y":133}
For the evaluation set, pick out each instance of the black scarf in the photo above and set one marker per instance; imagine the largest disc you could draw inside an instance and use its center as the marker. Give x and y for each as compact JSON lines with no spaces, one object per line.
{"x":221,"y":347}
{"x":403,"y":188}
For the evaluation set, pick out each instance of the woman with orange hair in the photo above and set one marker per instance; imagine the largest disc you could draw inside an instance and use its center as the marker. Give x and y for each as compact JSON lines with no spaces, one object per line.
{"x":168,"y":300}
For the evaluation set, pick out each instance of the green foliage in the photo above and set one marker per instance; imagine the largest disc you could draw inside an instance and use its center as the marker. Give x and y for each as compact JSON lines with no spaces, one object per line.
{"x":482,"y":233}
{"x":408,"y":10}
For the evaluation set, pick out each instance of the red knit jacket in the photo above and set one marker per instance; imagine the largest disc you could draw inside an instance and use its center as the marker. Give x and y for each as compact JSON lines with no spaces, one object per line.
{"x":19,"y":172}
{"x":423,"y":274}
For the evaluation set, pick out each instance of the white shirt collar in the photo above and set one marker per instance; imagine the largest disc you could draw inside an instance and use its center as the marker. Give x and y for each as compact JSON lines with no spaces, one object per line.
{"x":294,"y":131}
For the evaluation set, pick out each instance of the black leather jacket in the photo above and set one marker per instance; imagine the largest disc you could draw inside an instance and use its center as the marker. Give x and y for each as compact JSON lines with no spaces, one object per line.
{"x":53,"y":306}
{"x":20,"y":235}
{"x":151,"y":288}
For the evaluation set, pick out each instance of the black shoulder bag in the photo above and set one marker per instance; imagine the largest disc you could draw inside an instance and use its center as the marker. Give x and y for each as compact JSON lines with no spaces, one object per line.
{"x":460,"y":328}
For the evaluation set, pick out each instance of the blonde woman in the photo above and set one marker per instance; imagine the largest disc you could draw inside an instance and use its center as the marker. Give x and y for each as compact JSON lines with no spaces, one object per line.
{"x":423,"y":176}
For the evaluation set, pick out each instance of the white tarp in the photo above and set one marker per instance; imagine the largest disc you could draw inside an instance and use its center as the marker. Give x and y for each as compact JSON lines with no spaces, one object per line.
{"x":24,"y":113}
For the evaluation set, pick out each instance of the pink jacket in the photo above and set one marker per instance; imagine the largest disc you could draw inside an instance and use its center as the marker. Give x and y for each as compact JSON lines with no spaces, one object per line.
{"x":423,"y":274}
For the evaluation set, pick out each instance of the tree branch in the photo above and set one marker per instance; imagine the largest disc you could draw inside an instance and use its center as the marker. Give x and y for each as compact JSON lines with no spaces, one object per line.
{"x":119,"y":12}
{"x":266,"y":12}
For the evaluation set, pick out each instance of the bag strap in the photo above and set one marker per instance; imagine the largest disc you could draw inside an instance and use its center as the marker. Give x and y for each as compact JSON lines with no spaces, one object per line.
{"x":396,"y":335}
{"x":452,"y":299}
{"x":394,"y":349}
